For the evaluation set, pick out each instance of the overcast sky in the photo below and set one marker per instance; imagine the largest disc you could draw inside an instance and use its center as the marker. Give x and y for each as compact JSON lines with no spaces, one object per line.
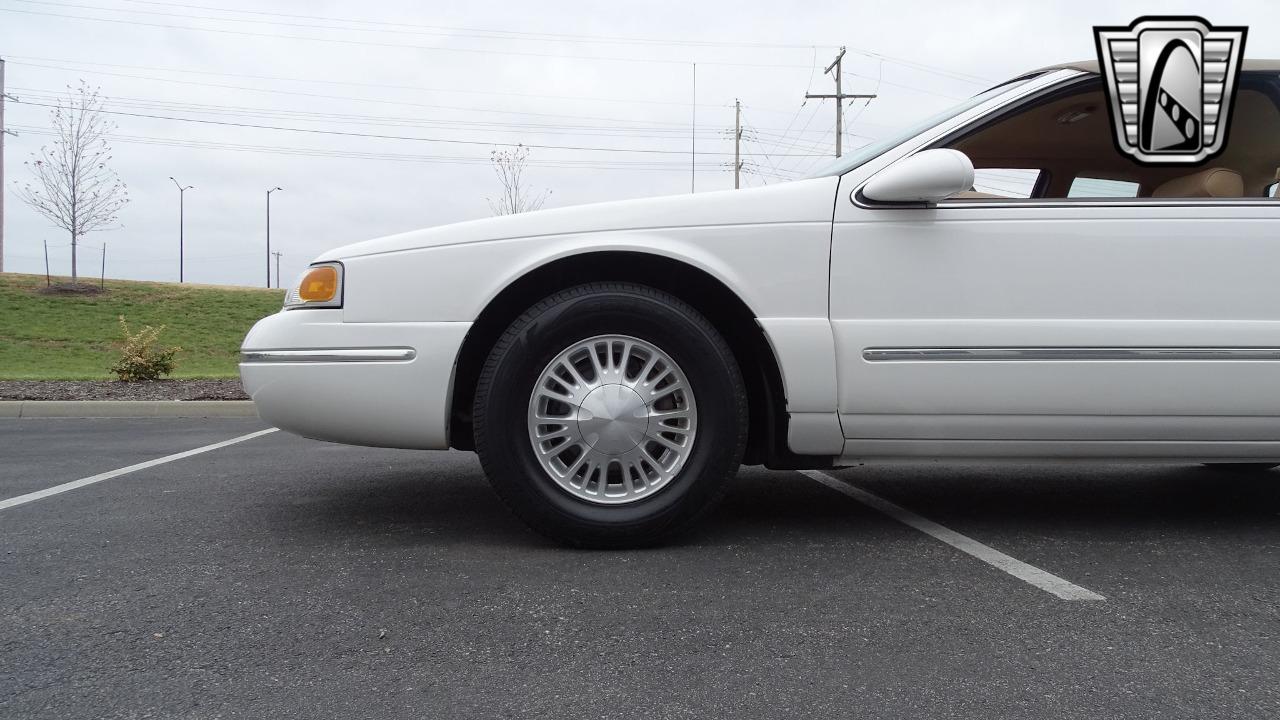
{"x":610,"y":76}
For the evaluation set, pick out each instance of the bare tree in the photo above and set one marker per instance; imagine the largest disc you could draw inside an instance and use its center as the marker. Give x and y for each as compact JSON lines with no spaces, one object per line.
{"x":73,"y":187}
{"x":516,"y":197}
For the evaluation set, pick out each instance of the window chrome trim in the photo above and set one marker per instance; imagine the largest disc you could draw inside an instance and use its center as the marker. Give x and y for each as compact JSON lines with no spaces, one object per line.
{"x":1023,"y":354}
{"x":1110,"y":202}
{"x":1042,"y":203}
{"x":329,"y":355}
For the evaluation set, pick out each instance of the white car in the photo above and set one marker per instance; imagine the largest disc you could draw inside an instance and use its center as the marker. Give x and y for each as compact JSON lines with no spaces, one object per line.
{"x":614,"y":364}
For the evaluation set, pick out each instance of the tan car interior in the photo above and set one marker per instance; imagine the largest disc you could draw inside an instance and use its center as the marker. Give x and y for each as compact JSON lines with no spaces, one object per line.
{"x":1071,"y":137}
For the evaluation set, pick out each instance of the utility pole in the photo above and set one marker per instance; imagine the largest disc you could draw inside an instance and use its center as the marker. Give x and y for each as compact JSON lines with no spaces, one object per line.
{"x":277,"y":255}
{"x":839,"y":97}
{"x":182,"y":192}
{"x":737,"y":141}
{"x":269,"y":233}
{"x":693,"y":136}
{"x":3,"y":132}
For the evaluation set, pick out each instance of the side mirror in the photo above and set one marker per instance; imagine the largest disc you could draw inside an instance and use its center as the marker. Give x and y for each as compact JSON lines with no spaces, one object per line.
{"x":925,"y":177}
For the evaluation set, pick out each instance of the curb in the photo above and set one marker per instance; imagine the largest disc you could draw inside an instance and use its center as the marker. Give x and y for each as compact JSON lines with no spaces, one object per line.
{"x":127,"y":409}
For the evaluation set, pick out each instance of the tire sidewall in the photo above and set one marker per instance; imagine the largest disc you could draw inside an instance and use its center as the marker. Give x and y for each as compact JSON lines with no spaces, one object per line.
{"x":580,"y":314}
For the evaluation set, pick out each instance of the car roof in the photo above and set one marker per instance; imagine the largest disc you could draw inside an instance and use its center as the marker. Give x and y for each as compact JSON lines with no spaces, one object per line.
{"x":1091,"y":66}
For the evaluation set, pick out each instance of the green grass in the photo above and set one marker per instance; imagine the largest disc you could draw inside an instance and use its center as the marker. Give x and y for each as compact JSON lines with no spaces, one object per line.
{"x":72,"y":337}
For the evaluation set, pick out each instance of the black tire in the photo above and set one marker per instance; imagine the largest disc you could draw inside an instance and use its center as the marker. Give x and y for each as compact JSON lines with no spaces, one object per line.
{"x":546,"y":329}
{"x":1243,"y":468}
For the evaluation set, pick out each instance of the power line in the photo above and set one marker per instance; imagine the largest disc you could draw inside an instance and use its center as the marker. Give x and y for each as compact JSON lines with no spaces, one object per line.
{"x":803,"y":167}
{"x":765,"y":134}
{"x":351,"y":83}
{"x":867,"y":104}
{"x":378,"y":120}
{"x":295,"y":93}
{"x":763,"y":173}
{"x":484,"y":33}
{"x":766,"y":154}
{"x":651,"y":125}
{"x":812,"y":70}
{"x":600,"y":39}
{"x":345,"y":133}
{"x":803,"y":129}
{"x":365,"y":43}
{"x":429,"y":48}
{"x":593,"y":164}
{"x":349,"y":98}
{"x":430,"y":30}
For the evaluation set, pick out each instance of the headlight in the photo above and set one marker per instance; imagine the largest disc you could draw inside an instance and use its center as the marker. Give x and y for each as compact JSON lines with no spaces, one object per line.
{"x":319,"y":287}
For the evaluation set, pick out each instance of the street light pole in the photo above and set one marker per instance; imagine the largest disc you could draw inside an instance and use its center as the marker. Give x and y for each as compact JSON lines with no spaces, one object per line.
{"x":269,"y":233}
{"x":182,"y":192}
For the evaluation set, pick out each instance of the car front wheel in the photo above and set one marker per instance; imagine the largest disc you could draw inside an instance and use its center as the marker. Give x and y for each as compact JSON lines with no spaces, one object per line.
{"x":610,"y":415}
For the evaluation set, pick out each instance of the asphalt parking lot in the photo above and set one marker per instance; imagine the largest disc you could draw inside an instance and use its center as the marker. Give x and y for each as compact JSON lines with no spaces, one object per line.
{"x":282,"y":577}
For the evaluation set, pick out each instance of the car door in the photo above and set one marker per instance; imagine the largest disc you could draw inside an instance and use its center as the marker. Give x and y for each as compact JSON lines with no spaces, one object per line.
{"x":1062,"y":327}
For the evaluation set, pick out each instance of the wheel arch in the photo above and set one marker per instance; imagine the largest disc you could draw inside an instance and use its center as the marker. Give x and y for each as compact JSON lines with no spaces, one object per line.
{"x":767,"y":431}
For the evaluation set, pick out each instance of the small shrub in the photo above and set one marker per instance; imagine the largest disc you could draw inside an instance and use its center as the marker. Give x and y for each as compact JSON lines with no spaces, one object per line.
{"x":140,"y":359}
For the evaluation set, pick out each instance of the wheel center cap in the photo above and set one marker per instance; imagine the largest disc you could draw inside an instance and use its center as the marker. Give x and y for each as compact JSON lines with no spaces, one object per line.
{"x":613,"y":419}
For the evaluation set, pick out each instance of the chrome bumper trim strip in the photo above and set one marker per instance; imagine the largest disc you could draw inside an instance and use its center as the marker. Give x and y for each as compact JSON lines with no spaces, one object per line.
{"x":329,"y":355}
{"x":961,"y":354}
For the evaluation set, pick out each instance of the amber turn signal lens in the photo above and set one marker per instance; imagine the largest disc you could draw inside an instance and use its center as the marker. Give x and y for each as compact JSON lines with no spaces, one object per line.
{"x":319,"y":285}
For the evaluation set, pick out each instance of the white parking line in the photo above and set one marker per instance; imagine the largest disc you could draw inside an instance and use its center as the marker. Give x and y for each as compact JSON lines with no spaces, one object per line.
{"x":82,"y":482}
{"x":1046,"y":581}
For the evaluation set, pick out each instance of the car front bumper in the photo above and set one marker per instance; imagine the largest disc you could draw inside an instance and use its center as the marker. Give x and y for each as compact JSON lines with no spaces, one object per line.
{"x":379,"y":384}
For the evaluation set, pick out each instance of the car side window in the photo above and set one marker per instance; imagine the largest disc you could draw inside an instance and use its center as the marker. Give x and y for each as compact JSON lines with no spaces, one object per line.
{"x":1005,"y":182}
{"x":1068,"y":134}
{"x":1093,"y":187}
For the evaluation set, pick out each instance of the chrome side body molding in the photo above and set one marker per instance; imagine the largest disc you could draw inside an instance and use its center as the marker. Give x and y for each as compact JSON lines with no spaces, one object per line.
{"x":1068,"y":353}
{"x":330,"y":355}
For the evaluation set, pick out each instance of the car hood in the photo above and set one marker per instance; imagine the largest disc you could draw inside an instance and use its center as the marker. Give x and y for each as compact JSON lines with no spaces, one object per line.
{"x":799,"y":201}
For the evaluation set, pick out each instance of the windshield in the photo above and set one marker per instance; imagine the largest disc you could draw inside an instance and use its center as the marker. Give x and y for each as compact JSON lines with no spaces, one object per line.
{"x":842,"y":165}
